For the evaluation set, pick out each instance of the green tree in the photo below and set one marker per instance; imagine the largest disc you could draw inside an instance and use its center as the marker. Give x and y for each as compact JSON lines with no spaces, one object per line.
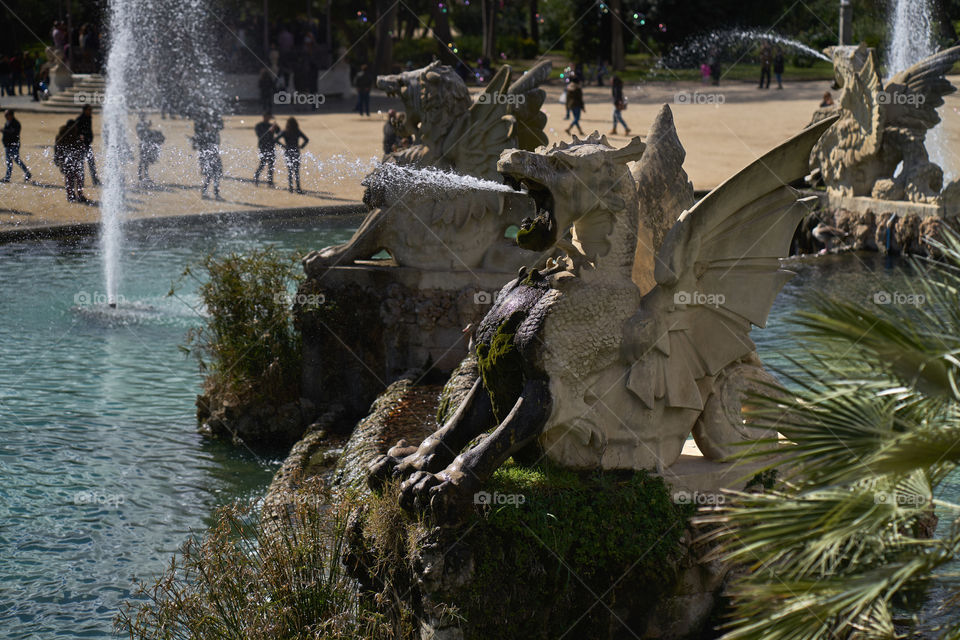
{"x":842,"y":548}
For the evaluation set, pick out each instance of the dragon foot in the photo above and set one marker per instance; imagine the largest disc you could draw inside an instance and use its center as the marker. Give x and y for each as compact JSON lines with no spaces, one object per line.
{"x":447,"y":496}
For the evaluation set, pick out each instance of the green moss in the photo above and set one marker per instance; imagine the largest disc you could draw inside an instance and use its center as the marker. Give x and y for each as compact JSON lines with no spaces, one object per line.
{"x":501,"y":366}
{"x":562,"y":539}
{"x":538,"y":234}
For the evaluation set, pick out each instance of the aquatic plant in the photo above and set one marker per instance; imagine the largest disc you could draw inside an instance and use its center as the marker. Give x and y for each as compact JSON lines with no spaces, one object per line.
{"x":841,"y":548}
{"x":251,"y":580}
{"x":247,"y":344}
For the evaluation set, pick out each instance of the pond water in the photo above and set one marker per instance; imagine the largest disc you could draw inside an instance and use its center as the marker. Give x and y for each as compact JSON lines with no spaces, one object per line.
{"x":102,"y":474}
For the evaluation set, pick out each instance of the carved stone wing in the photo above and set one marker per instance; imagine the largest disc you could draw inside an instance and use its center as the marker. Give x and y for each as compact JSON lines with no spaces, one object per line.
{"x":475,"y":140}
{"x":717,"y":273}
{"x":913,"y":95}
{"x":525,"y":102}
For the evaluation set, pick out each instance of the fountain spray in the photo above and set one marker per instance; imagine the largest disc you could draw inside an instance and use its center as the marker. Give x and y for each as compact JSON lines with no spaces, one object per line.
{"x":911,"y":40}
{"x":114,"y":134}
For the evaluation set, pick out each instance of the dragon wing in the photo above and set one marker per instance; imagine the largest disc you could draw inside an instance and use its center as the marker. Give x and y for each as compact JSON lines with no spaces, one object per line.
{"x":527,"y":99}
{"x":913,"y":95}
{"x":476,"y":140}
{"x":717,"y":273}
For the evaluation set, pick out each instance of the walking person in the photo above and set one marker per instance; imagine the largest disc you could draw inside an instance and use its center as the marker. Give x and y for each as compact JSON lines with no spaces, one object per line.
{"x":778,"y":67}
{"x":291,"y":151}
{"x":266,"y":131}
{"x":267,"y":86}
{"x":11,"y":145}
{"x":85,"y":124}
{"x":619,"y":104}
{"x":766,"y":59}
{"x":68,"y":155}
{"x":206,"y":140}
{"x":150,"y":142}
{"x":576,"y":105}
{"x":364,"y":83}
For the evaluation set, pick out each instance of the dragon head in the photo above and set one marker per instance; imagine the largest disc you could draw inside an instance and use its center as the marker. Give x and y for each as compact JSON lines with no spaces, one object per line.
{"x":433,"y":96}
{"x":849,"y":62}
{"x":570,"y":180}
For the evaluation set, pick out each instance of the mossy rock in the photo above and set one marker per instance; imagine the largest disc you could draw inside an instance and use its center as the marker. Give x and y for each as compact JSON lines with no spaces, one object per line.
{"x":549,"y":551}
{"x":501,"y":366}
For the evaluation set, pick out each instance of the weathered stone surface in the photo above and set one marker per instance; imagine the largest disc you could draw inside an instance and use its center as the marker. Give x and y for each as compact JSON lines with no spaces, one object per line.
{"x":454,"y":132}
{"x":876,"y":148}
{"x":379,"y":321}
{"x":261,"y":423}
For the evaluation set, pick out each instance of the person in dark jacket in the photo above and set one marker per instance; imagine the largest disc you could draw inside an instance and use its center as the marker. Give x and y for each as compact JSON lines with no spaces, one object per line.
{"x":619,"y":104}
{"x":85,"y":124}
{"x":291,"y":136}
{"x":364,"y":83}
{"x":68,"y":155}
{"x":778,"y":67}
{"x":266,"y":131}
{"x":11,"y":145}
{"x":576,"y":106}
{"x":766,"y":58}
{"x":267,"y":85}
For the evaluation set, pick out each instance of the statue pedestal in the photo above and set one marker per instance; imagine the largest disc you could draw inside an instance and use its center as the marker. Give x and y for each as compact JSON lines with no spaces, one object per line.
{"x":377,"y":321}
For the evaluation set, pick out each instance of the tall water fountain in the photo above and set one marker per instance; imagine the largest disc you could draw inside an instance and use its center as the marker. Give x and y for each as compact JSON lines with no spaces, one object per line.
{"x":911,"y":40}
{"x":160,"y":56}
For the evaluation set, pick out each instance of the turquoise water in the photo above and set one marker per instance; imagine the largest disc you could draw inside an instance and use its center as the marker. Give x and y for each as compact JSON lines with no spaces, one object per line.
{"x":103,"y":474}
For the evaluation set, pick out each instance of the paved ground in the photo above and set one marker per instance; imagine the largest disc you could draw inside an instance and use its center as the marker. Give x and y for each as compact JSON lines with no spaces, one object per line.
{"x":723,"y":129}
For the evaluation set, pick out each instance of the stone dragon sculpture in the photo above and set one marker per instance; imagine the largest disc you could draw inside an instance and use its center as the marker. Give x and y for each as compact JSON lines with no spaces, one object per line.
{"x":578,"y":363}
{"x":883,"y":125}
{"x":418,"y":214}
{"x":456,"y":132}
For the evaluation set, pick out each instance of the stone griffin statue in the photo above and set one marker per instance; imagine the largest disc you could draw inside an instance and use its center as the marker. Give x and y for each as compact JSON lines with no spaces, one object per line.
{"x":432,"y":220}
{"x":882,"y":126}
{"x":453,"y":131}
{"x":578,"y":363}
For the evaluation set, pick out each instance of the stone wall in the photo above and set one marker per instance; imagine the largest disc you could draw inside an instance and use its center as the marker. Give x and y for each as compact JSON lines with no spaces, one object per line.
{"x":378,"y":321}
{"x":874,"y":225}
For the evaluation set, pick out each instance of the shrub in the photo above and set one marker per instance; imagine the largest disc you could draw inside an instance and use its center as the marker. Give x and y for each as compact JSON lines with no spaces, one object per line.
{"x":247,"y":345}
{"x":248,"y":580}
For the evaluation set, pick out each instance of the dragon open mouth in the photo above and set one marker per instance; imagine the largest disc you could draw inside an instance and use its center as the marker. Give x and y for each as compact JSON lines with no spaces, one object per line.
{"x":541,"y":194}
{"x":540,"y":232}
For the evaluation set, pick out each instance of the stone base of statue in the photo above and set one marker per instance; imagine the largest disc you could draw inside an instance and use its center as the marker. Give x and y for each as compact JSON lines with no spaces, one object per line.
{"x":546,"y":552}
{"x":872,"y":224}
{"x":366,"y":324}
